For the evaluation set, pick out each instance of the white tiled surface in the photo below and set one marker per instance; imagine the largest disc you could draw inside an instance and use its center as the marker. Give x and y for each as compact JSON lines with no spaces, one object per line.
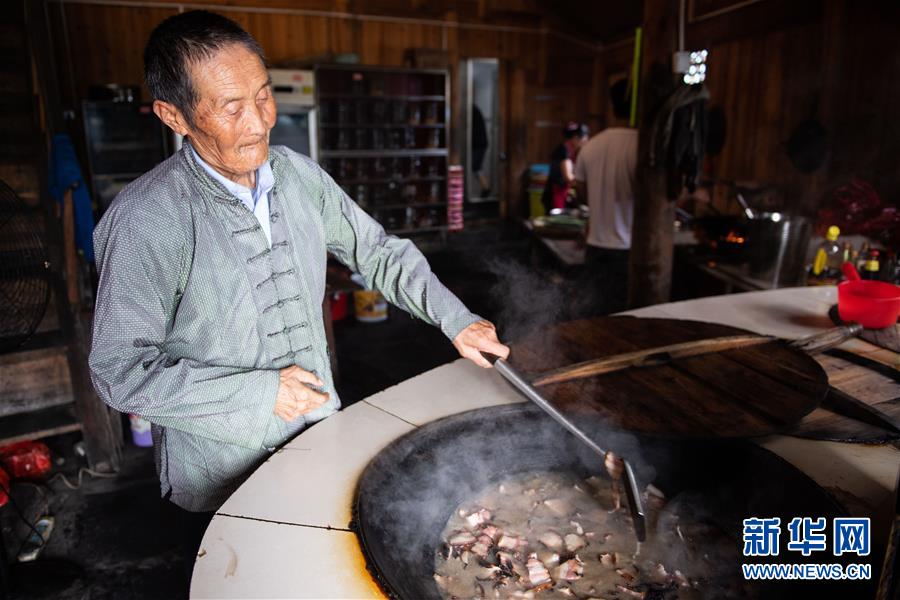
{"x":312,"y":480}
{"x":241,"y":558}
{"x":446,"y":390}
{"x":861,"y":477}
{"x":869,"y":470}
{"x":787,"y":313}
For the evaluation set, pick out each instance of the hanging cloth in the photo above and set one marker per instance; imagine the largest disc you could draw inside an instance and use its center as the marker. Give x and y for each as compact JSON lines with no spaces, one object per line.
{"x":64,"y":172}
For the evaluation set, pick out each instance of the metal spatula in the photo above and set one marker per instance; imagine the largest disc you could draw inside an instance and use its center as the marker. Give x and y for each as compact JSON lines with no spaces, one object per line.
{"x":632,"y":491}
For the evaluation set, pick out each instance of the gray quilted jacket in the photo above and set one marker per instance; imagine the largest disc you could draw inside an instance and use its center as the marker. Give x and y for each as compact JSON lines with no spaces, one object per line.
{"x":196,"y":313}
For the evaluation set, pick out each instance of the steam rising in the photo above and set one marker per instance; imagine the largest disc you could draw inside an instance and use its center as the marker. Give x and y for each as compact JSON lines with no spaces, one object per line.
{"x":418,"y":485}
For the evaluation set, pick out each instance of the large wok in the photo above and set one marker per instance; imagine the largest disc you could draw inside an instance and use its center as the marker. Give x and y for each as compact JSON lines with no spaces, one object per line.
{"x":409,"y":490}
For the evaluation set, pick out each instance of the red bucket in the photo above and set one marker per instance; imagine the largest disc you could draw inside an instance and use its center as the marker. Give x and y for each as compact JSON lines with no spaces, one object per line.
{"x":340,"y":303}
{"x":872,"y":304}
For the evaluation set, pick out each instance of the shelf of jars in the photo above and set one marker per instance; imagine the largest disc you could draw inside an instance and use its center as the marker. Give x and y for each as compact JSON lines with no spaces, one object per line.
{"x":384,"y":137}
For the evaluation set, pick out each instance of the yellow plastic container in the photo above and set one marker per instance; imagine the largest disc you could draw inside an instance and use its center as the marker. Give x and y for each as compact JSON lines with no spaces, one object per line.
{"x":369,"y":306}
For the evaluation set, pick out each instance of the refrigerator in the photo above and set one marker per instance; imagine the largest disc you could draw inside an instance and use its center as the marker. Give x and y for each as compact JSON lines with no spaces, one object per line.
{"x":295,"y":98}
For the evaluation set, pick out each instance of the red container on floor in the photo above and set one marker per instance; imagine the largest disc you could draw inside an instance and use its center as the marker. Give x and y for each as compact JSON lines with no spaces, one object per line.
{"x":26,"y":460}
{"x":340,"y":304}
{"x":872,"y":304}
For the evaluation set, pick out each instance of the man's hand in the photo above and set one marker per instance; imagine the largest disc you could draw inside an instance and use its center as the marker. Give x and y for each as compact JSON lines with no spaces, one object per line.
{"x":479,"y":337}
{"x":295,"y":397}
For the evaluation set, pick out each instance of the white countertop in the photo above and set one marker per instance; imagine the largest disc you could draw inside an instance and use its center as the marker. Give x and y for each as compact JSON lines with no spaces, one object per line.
{"x":284,"y":533}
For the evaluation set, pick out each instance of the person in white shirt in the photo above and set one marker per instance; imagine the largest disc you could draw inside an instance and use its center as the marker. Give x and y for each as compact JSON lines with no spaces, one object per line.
{"x":605,"y":175}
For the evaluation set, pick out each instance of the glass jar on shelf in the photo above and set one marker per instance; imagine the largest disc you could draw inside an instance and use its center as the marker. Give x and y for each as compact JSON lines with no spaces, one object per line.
{"x":396,"y":168}
{"x":348,"y":168}
{"x":363,"y":166}
{"x":395,"y":138}
{"x":343,"y":139}
{"x":392,"y":220}
{"x":393,"y":192}
{"x":409,"y":137}
{"x":409,"y":192}
{"x":415,"y":167}
{"x":362,"y":195}
{"x":431,"y":113}
{"x":344,"y":113}
{"x":376,"y":85}
{"x":359,"y":84}
{"x":434,"y":138}
{"x":434,"y":192}
{"x":415,"y":113}
{"x":361,"y":138}
{"x":379,"y":168}
{"x":379,"y":195}
{"x":398,"y":111}
{"x":378,"y":138}
{"x":433,"y":167}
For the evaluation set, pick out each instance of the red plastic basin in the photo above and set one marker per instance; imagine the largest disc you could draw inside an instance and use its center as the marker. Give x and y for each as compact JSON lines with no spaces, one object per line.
{"x":872,"y":304}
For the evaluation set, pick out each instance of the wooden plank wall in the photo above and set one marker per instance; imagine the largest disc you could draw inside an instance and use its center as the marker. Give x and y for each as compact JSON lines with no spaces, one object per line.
{"x":774,"y":65}
{"x":546,"y":76}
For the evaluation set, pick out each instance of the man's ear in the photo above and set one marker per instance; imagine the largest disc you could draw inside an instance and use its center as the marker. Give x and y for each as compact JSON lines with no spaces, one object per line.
{"x":171,"y":116}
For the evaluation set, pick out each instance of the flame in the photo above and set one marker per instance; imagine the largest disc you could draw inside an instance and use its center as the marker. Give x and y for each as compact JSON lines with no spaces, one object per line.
{"x":734,"y":238}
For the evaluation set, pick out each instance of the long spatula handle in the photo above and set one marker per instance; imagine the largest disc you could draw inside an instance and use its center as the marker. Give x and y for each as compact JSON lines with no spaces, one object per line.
{"x":635,"y":503}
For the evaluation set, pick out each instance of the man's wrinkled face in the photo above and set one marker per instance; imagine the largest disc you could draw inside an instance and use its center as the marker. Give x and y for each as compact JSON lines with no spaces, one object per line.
{"x":234,"y":112}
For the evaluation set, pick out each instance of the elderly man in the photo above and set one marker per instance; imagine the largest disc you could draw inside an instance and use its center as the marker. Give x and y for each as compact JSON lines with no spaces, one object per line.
{"x":208,"y":320}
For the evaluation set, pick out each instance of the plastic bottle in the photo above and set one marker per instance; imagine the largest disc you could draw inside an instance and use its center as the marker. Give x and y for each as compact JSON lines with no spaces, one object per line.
{"x":140,"y":431}
{"x":871,"y":267}
{"x":829,"y":257}
{"x":847,"y":252}
{"x":861,"y":256}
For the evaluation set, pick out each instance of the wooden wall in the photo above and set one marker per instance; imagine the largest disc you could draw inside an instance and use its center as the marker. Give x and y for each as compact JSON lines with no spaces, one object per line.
{"x":546,"y":75}
{"x":773,"y":65}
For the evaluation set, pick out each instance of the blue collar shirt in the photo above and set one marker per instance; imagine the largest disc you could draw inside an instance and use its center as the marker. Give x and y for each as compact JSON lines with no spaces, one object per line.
{"x":256,"y":200}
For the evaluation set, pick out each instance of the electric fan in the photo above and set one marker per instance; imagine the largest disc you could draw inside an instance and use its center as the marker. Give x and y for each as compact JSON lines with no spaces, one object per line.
{"x":24,"y":270}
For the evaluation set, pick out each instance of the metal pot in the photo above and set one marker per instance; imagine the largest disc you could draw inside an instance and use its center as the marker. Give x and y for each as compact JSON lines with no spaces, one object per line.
{"x":776,"y":245}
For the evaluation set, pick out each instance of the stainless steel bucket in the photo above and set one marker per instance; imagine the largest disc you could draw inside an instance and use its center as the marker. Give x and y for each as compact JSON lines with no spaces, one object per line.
{"x":777,"y":246}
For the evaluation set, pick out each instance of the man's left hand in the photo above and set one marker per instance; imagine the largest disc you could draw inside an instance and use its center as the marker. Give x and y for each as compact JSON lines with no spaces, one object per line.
{"x":479,"y":337}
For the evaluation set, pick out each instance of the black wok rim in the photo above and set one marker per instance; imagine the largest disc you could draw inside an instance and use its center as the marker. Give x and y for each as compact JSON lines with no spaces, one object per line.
{"x":385,"y":453}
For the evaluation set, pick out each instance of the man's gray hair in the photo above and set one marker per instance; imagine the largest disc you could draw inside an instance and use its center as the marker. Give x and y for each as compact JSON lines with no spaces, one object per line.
{"x":184,"y":40}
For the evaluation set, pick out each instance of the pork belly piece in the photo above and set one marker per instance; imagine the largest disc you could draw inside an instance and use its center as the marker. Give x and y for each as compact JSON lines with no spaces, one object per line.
{"x":538,"y":575}
{"x":478,"y":518}
{"x":552,"y":540}
{"x":570,"y":570}
{"x":511,"y":542}
{"x":630,"y":592}
{"x":461,"y":538}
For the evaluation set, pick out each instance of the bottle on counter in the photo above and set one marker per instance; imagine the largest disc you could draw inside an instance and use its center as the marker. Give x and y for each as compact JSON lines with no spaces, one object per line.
{"x":861,"y":256}
{"x":847,"y":254}
{"x":871,"y":267}
{"x":829,"y":257}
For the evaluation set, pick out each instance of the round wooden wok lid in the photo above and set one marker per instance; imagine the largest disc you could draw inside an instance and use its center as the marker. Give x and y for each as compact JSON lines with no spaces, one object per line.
{"x":743,"y":392}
